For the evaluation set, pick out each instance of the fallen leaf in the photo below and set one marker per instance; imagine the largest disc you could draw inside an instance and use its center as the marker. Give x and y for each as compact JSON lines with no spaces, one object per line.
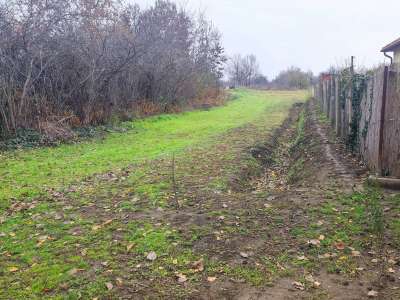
{"x":211,"y":279}
{"x":298,"y":285}
{"x":302,"y":257}
{"x":244,"y":254}
{"x":151,"y":256}
{"x":129,"y":247}
{"x":119,"y":281}
{"x":96,"y":227}
{"x":41,"y":240}
{"x":107,"y":222}
{"x":181,"y":278}
{"x":109,"y":286}
{"x":372,"y":294}
{"x":13,"y":269}
{"x":198,"y":266}
{"x":73,"y":271}
{"x":314,"y":242}
{"x":374,"y":260}
{"x":391,"y":270}
{"x":340,"y":245}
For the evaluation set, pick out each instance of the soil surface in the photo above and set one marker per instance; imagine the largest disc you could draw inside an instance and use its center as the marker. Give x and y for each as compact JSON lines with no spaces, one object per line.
{"x":258,"y":215}
{"x":272,"y":232}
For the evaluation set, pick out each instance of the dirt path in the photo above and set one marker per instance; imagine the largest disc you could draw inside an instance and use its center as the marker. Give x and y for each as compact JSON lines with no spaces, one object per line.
{"x":284,"y":219}
{"x":282,"y":231}
{"x":257,"y":215}
{"x":295,"y":241}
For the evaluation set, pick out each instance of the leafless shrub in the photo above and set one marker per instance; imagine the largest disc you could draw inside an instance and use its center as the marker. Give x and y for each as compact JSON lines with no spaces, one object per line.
{"x":90,"y":59}
{"x":245,"y":71}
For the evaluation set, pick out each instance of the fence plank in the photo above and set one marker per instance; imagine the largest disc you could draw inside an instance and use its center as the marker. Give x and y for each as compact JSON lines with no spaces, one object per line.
{"x":391,"y":134}
{"x":337,"y":107}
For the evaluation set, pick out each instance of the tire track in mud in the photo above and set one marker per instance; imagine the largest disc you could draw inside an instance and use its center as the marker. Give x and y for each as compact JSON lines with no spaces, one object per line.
{"x":341,"y":169}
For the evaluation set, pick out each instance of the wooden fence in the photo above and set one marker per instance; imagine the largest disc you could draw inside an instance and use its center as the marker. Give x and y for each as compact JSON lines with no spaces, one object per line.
{"x":364,"y":110}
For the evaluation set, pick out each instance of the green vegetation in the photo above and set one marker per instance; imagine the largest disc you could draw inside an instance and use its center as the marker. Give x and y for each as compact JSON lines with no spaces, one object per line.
{"x":25,"y":174}
{"x":296,"y":169}
{"x":74,"y":242}
{"x":352,"y":222}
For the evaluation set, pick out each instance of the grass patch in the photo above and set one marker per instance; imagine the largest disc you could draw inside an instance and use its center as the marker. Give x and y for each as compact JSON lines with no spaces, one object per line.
{"x":357,"y":220}
{"x":28,"y":173}
{"x":42,"y":245}
{"x":251,"y":275}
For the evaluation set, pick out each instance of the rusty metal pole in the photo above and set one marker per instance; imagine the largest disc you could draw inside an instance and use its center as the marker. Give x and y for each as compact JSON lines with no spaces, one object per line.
{"x":382,"y":122}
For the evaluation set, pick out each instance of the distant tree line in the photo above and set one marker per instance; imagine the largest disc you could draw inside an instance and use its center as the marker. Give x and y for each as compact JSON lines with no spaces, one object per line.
{"x":293,"y":78}
{"x":84,"y":60}
{"x":245,"y":71}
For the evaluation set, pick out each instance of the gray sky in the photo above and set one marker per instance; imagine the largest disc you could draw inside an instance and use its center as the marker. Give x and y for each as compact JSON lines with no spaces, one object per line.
{"x":311,"y":34}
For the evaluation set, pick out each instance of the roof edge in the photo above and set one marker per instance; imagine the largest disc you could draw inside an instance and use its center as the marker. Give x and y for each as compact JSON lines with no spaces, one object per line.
{"x":390,"y":47}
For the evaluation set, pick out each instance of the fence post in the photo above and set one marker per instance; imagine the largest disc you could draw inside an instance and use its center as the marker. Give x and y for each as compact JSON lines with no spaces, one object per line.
{"x":332,"y":113}
{"x":350,"y":102}
{"x":323,"y":95}
{"x":326,"y":97}
{"x":328,"y":108}
{"x":382,"y":121}
{"x":337,"y":106}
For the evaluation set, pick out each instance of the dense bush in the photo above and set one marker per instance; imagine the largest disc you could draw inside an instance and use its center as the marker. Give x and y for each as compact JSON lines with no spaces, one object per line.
{"x":79,"y":62}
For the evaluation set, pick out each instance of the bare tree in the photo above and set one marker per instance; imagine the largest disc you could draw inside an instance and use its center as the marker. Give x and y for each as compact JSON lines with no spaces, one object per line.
{"x":242,"y":71}
{"x":84,"y":60}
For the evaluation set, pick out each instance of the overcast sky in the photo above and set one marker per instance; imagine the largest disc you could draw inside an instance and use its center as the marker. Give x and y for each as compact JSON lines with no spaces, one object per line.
{"x":311,"y":34}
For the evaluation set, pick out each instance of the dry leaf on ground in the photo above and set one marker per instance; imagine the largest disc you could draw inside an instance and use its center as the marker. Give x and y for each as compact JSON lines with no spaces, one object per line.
{"x":298,"y":285}
{"x":109,"y":286}
{"x":181,"y":278}
{"x":151,"y":256}
{"x":13,"y":269}
{"x":340,"y":245}
{"x":129,"y":247}
{"x":372,"y":294}
{"x":314,"y":242}
{"x":244,"y":254}
{"x":198,"y":266}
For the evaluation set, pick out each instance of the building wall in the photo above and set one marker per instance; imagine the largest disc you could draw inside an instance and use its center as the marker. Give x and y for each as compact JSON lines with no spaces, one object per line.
{"x":396,"y":58}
